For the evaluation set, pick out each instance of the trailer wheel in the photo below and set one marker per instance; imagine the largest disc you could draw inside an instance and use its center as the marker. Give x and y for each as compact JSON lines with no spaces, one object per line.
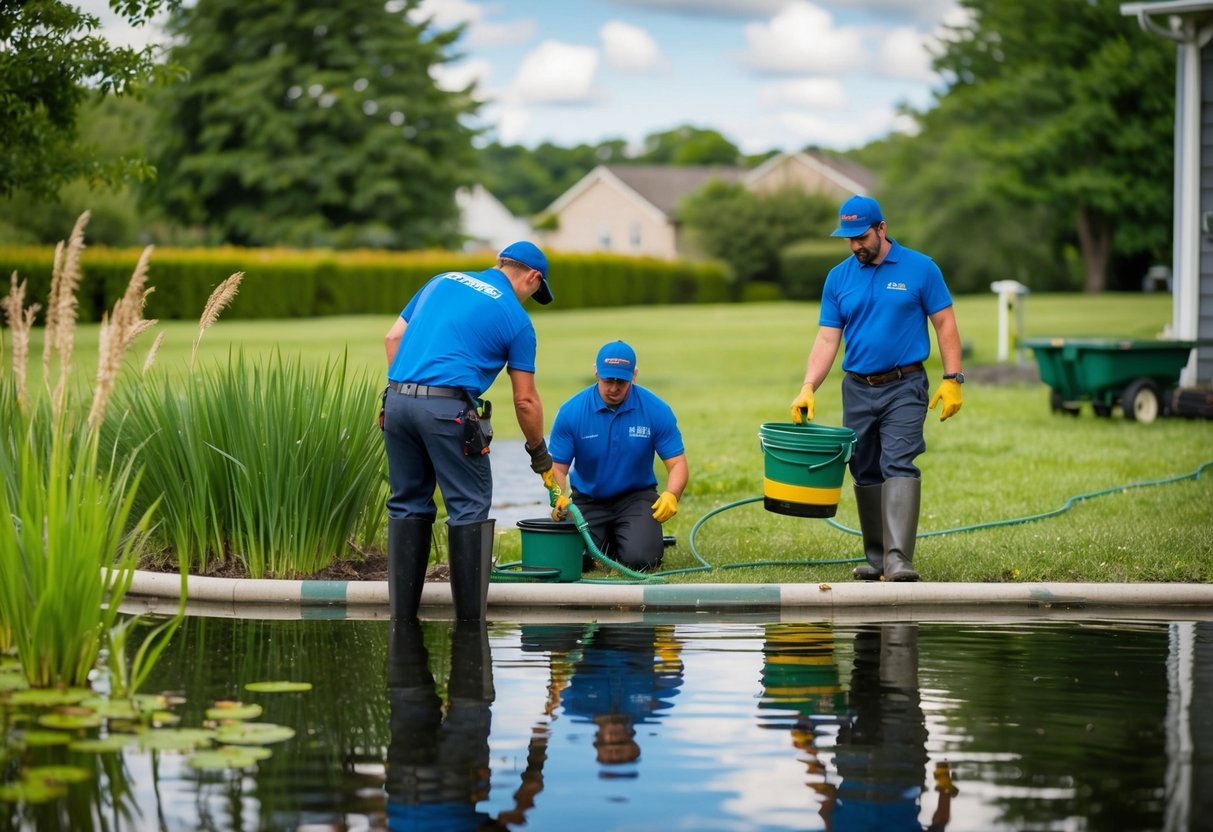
{"x":1141,"y":401}
{"x":1057,"y":404}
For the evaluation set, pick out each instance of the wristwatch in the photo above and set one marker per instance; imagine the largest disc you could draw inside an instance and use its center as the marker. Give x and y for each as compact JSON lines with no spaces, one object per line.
{"x":959,"y":378}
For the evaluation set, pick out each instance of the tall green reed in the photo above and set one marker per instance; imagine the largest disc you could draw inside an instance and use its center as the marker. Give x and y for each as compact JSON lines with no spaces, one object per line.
{"x":273,"y":463}
{"x":71,"y":540}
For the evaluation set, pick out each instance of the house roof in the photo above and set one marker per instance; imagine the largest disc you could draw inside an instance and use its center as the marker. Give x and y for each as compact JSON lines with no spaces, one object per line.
{"x":849,"y":176}
{"x":658,"y":187}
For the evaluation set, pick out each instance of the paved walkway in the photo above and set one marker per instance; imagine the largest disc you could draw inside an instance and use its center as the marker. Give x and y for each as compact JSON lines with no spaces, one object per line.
{"x":159,"y":592}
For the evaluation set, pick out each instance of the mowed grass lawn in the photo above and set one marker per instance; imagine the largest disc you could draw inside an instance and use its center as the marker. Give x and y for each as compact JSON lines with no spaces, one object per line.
{"x":727,"y":369}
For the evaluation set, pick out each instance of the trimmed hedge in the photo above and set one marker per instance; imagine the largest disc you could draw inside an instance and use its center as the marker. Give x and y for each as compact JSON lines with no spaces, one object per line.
{"x":804,"y":266}
{"x":282,"y":283}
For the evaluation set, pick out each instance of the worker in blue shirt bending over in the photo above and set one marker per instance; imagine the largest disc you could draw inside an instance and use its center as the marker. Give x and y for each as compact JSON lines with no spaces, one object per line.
{"x":444,"y":350}
{"x":609,"y":433}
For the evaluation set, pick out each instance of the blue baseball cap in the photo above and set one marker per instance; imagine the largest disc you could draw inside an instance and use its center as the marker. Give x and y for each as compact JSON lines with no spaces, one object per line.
{"x":529,"y":255}
{"x":856,"y":216}
{"x":616,"y":360}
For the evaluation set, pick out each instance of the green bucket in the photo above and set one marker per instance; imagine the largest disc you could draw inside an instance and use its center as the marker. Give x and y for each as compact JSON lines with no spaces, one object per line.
{"x":548,"y":544}
{"x":804,"y":467}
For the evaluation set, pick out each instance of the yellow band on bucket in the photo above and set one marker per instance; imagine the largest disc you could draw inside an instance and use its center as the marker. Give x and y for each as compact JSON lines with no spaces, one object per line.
{"x":801,"y":493}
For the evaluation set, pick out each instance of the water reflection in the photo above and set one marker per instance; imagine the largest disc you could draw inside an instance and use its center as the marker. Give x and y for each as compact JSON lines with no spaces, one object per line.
{"x":700,"y":723}
{"x":881,"y":751}
{"x":438,"y":761}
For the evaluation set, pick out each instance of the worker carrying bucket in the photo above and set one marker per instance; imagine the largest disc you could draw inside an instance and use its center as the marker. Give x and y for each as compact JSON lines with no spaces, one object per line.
{"x":608,"y":434}
{"x":879,"y":301}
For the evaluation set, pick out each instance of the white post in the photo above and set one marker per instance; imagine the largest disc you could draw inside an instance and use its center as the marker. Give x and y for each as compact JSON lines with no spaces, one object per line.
{"x":1009,"y":292}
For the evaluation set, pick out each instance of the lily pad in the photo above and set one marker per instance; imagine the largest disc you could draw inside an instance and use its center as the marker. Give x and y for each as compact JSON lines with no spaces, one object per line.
{"x":12,"y":681}
{"x":228,"y":757}
{"x":253,"y":733}
{"x":162,"y":718}
{"x":71,"y":720}
{"x":43,"y":739}
{"x":175,"y":739}
{"x":31,"y":791}
{"x":104,"y":745}
{"x":111,"y":708}
{"x":278,"y":687}
{"x":233,"y":710}
{"x":57,"y":775}
{"x":49,"y":697}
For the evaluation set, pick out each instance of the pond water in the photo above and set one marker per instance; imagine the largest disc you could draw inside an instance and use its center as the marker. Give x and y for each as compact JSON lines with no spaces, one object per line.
{"x":665,"y":723}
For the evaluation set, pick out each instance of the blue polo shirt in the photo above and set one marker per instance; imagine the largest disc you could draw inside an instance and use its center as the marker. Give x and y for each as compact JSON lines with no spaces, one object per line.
{"x":612,"y":451}
{"x":463,"y":327}
{"x":882,"y":310}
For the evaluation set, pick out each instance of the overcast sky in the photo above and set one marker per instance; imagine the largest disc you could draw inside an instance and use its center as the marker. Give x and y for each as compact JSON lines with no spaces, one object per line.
{"x":768,"y":74}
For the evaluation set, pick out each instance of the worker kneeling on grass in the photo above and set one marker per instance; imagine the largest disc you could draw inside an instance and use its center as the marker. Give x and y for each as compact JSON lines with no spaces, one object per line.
{"x":609,"y":433}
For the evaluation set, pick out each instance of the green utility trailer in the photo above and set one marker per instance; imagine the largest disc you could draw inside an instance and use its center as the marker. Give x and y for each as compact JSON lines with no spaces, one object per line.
{"x":1140,"y":376}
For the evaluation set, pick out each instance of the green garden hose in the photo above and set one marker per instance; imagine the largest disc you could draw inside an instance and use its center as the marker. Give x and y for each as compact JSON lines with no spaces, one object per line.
{"x":638,"y":577}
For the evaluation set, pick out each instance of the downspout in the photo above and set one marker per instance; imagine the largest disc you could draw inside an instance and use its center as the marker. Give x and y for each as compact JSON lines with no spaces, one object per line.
{"x":1185,"y":301}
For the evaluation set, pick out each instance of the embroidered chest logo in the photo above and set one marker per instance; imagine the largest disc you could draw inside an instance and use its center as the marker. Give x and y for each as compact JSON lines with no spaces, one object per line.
{"x":895,"y":286}
{"x":639,"y":431}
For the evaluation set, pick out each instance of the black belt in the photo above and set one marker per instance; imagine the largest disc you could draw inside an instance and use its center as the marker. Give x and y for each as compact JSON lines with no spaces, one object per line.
{"x":407,"y":388}
{"x":877,"y":379}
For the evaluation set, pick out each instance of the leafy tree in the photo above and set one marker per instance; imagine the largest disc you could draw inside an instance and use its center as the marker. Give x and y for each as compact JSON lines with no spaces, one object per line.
{"x":311,"y":123}
{"x":528,"y":181}
{"x":115,"y":127}
{"x":748,"y":230}
{"x":1062,"y":113}
{"x":52,"y":60}
{"x":687,"y":145}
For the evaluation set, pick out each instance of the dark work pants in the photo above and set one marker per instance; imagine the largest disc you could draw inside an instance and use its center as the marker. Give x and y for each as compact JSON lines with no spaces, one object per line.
{"x":424,"y":447}
{"x":625,"y":524}
{"x":887,"y":421}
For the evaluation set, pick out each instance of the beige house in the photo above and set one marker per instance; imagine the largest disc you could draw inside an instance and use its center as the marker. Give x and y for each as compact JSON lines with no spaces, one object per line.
{"x":633,"y":209}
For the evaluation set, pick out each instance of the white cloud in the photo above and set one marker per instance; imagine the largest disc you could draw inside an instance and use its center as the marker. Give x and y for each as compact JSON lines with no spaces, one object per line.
{"x":805,"y":93}
{"x":480,"y":32}
{"x":512,"y":124}
{"x":803,"y":39}
{"x":556,"y":73}
{"x":446,"y":14}
{"x":903,"y":55}
{"x":629,"y":48}
{"x":839,"y":131}
{"x":898,"y":11}
{"x":458,"y":76}
{"x":712,"y":8}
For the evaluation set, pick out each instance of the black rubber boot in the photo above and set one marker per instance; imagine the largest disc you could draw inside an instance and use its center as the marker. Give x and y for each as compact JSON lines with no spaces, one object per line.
{"x":471,"y":675}
{"x":408,"y":554}
{"x":471,"y":561}
{"x":871,"y":524}
{"x":900,"y":502}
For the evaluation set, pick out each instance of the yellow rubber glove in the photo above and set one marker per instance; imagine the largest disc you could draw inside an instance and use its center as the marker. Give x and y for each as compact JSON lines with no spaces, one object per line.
{"x":549,"y":481}
{"x":803,"y":405}
{"x":950,"y":394}
{"x":665,"y":507}
{"x":561,"y":509}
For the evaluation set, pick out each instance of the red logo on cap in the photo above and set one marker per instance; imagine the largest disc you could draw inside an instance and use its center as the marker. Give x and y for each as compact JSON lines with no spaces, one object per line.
{"x":848,"y":216}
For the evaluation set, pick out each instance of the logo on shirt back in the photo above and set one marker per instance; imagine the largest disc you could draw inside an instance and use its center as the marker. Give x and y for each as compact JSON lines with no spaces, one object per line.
{"x":474,"y":283}
{"x":892,"y":284}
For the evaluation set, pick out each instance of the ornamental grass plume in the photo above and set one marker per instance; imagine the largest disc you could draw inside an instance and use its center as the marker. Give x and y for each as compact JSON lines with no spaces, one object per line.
{"x":118,"y":330}
{"x":62,"y":309}
{"x":20,"y":321}
{"x":224,"y":293}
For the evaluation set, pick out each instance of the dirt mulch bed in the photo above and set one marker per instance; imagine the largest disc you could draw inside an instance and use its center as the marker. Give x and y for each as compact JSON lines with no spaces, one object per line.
{"x":371,"y":567}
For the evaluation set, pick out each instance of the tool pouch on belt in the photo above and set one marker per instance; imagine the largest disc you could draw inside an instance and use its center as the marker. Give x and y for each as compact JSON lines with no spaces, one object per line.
{"x":477,"y":429}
